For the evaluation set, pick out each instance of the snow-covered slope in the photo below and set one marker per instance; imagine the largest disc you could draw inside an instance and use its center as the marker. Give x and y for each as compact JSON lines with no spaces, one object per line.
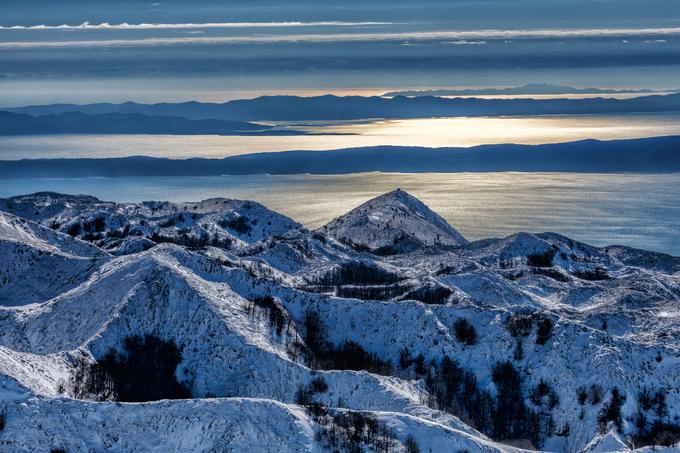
{"x":129,"y":227}
{"x":38,"y":263}
{"x":285,"y":337}
{"x":391,"y":223}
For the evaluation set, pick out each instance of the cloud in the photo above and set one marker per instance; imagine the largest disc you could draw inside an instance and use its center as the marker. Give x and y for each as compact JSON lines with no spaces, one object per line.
{"x":148,"y":26}
{"x":465,"y":42}
{"x":478,"y":35}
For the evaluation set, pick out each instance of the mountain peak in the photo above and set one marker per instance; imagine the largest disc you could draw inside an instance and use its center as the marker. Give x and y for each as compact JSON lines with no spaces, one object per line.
{"x":394,"y":222}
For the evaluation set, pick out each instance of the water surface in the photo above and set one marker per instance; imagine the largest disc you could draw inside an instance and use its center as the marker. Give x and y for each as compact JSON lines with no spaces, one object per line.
{"x":435,"y":132}
{"x":630,"y":209}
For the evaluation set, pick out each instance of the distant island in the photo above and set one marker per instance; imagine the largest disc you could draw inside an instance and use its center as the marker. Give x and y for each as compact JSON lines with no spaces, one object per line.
{"x":539,"y":89}
{"x":127,"y":123}
{"x":658,"y":154}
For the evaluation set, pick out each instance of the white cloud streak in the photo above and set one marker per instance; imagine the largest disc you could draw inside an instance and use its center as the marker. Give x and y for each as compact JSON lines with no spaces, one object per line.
{"x":478,"y":35}
{"x":465,"y":42}
{"x":149,"y":26}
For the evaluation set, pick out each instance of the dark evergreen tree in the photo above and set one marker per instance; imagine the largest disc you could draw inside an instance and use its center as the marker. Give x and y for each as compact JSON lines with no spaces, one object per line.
{"x":595,"y":394}
{"x":315,"y":332}
{"x":611,"y":412}
{"x":411,"y":445}
{"x":405,"y":359}
{"x":544,"y":330}
{"x":465,"y":332}
{"x":419,"y":362}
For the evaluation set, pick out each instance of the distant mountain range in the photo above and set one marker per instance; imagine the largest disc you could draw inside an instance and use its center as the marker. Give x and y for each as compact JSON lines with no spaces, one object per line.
{"x":640,"y":155}
{"x":125,"y":123}
{"x":539,"y":89}
{"x":328,"y":107}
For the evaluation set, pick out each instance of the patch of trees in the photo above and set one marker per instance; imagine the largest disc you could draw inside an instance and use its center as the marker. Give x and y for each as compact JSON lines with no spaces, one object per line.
{"x":512,"y":419}
{"x":91,"y":229}
{"x":542,"y":259}
{"x":3,"y":419}
{"x":304,"y":395}
{"x":344,"y":430}
{"x":505,"y":416}
{"x":185,"y":240}
{"x":411,"y":445}
{"x":651,"y":421}
{"x":418,"y":362}
{"x":591,"y":274}
{"x":657,"y":433}
{"x":278,"y":317}
{"x":455,"y":390}
{"x":358,"y":273}
{"x":351,"y":356}
{"x":648,"y":400}
{"x":520,"y":326}
{"x":592,"y":395}
{"x":239,"y":224}
{"x":351,"y":431}
{"x":544,"y":398}
{"x":543,"y":395}
{"x":611,"y":412}
{"x":143,"y":371}
{"x":382,"y":292}
{"x":96,"y":225}
{"x":73,"y":230}
{"x":361,"y":280}
{"x":431,"y":294}
{"x":346,"y":356}
{"x":465,"y":332}
{"x":169,"y":222}
{"x":544,"y":330}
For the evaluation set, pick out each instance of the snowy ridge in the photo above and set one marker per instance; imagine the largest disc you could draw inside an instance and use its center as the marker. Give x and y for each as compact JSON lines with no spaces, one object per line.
{"x":39,"y":263}
{"x":390,"y":276}
{"x":128,"y":228}
{"x":393,"y":222}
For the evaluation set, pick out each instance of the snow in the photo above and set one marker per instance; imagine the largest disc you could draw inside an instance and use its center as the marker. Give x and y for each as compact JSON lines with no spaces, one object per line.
{"x":395,"y":219}
{"x":65,"y":299}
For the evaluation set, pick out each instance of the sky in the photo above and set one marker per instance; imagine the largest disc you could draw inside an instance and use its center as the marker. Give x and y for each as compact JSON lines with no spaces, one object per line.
{"x":101,"y":51}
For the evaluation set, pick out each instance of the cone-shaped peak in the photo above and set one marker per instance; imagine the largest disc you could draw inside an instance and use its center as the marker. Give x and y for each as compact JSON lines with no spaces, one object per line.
{"x":393,"y":222}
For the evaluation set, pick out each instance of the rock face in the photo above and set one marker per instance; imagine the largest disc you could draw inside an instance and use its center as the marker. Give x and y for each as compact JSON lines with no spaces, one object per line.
{"x":381,"y":330}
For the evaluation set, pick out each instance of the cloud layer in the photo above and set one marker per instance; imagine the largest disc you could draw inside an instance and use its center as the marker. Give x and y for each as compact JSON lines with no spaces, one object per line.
{"x":151,"y":26}
{"x":458,"y":36}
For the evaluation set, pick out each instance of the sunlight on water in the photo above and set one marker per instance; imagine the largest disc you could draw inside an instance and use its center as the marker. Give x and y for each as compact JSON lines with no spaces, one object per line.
{"x":437,"y":132}
{"x":635,"y":210}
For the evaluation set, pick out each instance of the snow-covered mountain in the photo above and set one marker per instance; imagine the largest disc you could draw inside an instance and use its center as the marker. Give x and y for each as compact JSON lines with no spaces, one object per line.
{"x":223,"y":326}
{"x":126,"y":228}
{"x":392,"y":223}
